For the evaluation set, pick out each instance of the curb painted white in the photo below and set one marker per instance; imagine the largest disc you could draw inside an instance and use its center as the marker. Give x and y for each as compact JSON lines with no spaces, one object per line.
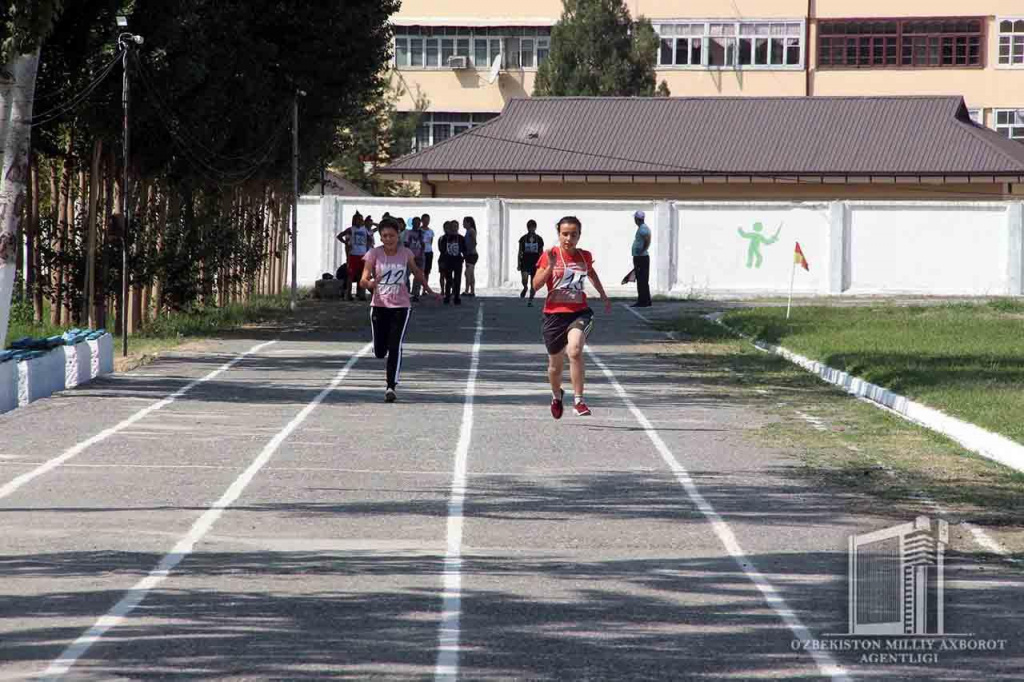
{"x":77,"y":364}
{"x":8,"y":386}
{"x":61,"y":368}
{"x":976,"y":439}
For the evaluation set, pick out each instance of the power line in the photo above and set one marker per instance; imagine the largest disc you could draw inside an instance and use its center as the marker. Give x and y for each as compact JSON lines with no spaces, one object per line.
{"x":53,"y":93}
{"x":67,"y":107}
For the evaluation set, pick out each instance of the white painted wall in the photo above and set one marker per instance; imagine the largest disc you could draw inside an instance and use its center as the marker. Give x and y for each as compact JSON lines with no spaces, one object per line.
{"x":928,"y":248}
{"x":320,"y":251}
{"x":608,"y":230}
{"x":713,"y":257}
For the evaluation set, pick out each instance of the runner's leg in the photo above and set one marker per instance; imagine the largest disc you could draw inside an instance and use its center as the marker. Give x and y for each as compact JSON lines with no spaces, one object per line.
{"x":380,"y":327}
{"x":556,"y":362}
{"x":577,"y":371}
{"x":396,"y":336}
{"x":457,"y":281}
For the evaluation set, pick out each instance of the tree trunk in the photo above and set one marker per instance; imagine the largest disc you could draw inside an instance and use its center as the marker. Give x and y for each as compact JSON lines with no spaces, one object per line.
{"x":161,"y":227}
{"x":89,"y":297}
{"x":64,"y":208}
{"x":16,"y":145}
{"x":56,"y":270}
{"x":36,"y":260}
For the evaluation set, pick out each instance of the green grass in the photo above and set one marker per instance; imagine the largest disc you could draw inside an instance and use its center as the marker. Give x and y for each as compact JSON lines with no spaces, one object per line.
{"x":169,"y":329}
{"x":210,"y":320}
{"x":966,"y":359}
{"x":869,"y":455}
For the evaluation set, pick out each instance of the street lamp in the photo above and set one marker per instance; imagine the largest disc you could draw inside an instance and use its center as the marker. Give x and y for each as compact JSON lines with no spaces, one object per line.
{"x":124,"y":41}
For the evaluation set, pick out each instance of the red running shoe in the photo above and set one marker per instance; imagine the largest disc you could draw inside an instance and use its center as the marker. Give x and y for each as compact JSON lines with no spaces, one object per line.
{"x":556,"y":406}
{"x":581,"y":410}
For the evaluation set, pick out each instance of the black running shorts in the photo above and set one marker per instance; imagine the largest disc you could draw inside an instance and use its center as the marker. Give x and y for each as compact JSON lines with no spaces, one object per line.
{"x":556,"y":328}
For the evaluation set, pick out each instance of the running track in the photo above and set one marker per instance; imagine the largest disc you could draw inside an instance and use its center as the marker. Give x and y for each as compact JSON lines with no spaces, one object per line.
{"x":256,"y":511}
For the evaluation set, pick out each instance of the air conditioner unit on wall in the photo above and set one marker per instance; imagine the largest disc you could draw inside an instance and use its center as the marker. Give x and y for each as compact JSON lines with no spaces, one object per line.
{"x":458,"y":62}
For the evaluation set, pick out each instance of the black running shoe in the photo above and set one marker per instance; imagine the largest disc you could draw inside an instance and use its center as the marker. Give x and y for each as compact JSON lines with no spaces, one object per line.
{"x":389,"y":396}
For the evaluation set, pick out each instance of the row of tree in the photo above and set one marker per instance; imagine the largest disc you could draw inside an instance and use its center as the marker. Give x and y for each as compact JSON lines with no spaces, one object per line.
{"x":213,"y":85}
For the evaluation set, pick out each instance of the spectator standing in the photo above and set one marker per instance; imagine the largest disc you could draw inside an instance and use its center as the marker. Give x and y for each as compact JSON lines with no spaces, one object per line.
{"x":451,"y":248}
{"x":469,"y":224}
{"x":428,"y":245}
{"x":642,"y":261}
{"x":531,"y":245}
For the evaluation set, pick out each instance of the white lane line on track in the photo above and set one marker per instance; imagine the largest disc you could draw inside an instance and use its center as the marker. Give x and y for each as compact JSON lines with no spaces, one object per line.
{"x":826,"y":663}
{"x":116,"y":615}
{"x":449,"y":629}
{"x":75,"y":450}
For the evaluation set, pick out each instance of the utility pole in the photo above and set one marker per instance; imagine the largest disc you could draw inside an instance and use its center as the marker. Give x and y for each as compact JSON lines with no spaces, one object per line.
{"x":126,"y":220}
{"x":125,"y":41}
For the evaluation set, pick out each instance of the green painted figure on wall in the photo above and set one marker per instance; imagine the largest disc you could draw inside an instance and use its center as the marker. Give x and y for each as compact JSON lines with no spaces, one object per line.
{"x":756,"y":239}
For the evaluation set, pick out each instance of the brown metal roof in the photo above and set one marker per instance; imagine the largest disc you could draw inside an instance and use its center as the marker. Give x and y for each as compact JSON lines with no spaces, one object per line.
{"x":770,"y":136}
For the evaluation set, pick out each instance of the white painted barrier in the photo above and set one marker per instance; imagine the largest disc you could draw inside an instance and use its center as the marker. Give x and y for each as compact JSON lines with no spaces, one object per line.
{"x":41,"y":376}
{"x":77,"y":364}
{"x":63,"y":367}
{"x":102,"y":356}
{"x":707,"y":248}
{"x":8,"y":386}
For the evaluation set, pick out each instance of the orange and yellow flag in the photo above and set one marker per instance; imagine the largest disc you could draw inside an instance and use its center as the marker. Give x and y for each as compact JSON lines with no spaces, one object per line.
{"x":798,"y":258}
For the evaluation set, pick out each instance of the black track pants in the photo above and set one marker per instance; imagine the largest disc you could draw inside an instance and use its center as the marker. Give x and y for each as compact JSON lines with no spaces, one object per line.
{"x":389,"y":325}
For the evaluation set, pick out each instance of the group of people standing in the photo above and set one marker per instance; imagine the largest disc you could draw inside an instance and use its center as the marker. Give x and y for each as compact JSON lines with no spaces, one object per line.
{"x":457,"y":253}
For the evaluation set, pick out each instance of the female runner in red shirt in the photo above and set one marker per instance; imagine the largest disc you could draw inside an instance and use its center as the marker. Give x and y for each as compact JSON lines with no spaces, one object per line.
{"x":568,"y":320}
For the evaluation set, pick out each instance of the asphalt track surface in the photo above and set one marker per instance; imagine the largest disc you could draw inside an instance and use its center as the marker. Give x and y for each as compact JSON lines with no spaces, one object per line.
{"x":277,"y":520}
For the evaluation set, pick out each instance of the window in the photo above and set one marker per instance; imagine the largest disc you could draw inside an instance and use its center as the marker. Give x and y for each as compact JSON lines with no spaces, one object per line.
{"x":719,"y":44}
{"x":1010,"y":122}
{"x":910,"y":43}
{"x":418,"y":47}
{"x":1011,"y":42}
{"x":438,"y":127}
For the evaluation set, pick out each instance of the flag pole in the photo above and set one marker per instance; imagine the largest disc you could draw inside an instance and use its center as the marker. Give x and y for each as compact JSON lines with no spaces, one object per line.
{"x":792,"y":276}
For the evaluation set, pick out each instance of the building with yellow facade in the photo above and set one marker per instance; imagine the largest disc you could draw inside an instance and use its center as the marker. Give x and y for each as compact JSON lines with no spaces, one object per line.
{"x":467,"y":59}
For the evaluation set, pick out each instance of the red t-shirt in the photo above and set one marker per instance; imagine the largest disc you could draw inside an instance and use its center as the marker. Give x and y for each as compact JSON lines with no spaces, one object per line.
{"x":567,"y":281}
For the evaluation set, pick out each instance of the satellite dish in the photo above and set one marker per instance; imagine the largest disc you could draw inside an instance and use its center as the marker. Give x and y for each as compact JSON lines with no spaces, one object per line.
{"x":495,"y":68}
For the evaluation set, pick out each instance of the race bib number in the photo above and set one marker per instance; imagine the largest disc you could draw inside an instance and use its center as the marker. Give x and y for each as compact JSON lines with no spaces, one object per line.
{"x":531,"y":247}
{"x":390,"y":277}
{"x":571,"y":287}
{"x":453,"y":248}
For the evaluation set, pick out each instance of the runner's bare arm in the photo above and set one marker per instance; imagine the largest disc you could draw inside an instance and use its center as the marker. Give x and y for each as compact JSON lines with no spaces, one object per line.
{"x":367,"y":281}
{"x":541,"y":277}
{"x":420,"y":277}
{"x":600,"y":289}
{"x":345,"y":236}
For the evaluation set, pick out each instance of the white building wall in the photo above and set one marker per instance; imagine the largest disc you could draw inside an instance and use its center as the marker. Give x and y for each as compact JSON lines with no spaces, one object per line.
{"x":853,"y":248}
{"x":715,"y":258}
{"x":928,"y":248}
{"x":608,"y":230}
